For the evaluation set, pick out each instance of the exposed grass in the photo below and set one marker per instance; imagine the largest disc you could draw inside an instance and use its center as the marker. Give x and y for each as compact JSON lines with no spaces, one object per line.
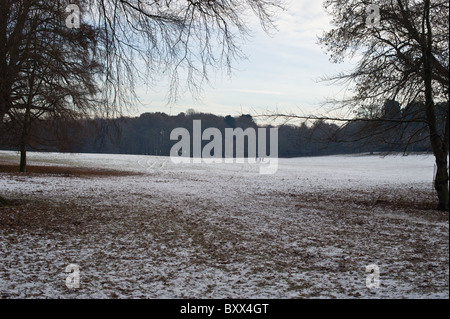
{"x":64,"y":171}
{"x":3,"y":201}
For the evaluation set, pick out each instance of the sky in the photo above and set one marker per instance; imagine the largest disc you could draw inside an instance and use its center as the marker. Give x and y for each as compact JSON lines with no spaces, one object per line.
{"x":282,"y":72}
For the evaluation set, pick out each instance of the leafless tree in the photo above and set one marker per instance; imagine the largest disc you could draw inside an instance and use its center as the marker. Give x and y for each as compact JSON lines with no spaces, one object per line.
{"x":402,"y":53}
{"x":56,"y":82}
{"x":175,"y":40}
{"x":141,"y":40}
{"x":136,"y":40}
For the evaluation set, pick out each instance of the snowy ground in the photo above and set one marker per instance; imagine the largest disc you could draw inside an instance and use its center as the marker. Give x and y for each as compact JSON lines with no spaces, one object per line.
{"x":170,"y":230}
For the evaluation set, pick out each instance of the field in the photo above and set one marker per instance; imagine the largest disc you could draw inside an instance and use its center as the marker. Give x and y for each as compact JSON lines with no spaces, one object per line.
{"x":144,"y":227}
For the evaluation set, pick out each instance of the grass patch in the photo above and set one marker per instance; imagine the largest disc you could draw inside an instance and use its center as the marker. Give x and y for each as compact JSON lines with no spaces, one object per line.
{"x":64,"y":171}
{"x":3,"y":202}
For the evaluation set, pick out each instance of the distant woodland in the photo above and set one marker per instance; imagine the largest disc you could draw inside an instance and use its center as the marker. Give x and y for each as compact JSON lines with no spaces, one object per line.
{"x":149,"y":134}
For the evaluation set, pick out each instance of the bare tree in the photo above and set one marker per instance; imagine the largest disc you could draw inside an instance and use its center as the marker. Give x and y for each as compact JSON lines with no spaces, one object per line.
{"x":55,"y":82}
{"x":136,"y":40}
{"x":142,"y":40}
{"x":402,"y":53}
{"x":182,"y":41}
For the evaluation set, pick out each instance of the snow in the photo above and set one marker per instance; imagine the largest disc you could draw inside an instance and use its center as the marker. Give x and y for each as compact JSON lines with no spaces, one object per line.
{"x":224,"y":230}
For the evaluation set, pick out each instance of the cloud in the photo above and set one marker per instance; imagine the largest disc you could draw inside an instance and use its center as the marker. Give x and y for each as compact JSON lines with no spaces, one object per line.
{"x":268,"y":92}
{"x":281,"y":71}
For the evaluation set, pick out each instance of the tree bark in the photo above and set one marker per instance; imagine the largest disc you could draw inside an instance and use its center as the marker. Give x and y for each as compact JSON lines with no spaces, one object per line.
{"x":441,"y":178}
{"x":23,"y":158}
{"x":26,"y":128}
{"x":438,"y":143}
{"x":24,"y":140}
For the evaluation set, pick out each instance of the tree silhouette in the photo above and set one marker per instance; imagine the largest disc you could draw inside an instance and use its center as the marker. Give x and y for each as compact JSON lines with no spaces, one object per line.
{"x":402,"y":52}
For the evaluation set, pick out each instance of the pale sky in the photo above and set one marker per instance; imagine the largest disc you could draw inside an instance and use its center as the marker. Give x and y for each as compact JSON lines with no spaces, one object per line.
{"x":282,"y":72}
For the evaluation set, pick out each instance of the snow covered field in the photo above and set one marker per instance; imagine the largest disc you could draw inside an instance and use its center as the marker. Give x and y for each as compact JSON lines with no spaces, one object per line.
{"x":166,"y":230}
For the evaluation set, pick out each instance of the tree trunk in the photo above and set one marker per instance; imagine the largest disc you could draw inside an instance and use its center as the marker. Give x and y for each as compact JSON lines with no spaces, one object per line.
{"x":439,"y":143}
{"x":441,"y":186}
{"x":23,"y":158}
{"x":439,"y":146}
{"x":442,"y":178}
{"x":23,"y":144}
{"x":26,"y":131}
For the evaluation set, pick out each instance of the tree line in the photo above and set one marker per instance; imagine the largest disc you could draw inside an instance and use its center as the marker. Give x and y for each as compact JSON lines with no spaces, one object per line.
{"x":149,"y":133}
